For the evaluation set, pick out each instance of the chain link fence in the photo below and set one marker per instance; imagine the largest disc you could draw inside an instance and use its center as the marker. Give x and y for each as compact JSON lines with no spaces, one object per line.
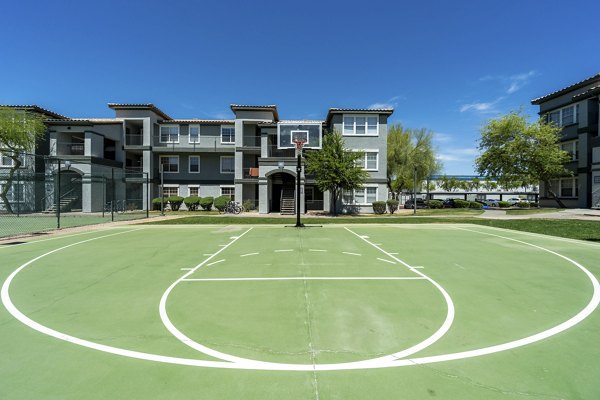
{"x":41,"y":193}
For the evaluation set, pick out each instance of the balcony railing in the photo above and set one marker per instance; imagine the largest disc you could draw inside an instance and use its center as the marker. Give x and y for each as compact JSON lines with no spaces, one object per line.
{"x":70,"y":149}
{"x":275,"y":152}
{"x":314,"y":205}
{"x":134,"y":140}
{"x":251,"y":173}
{"x":251,"y":141}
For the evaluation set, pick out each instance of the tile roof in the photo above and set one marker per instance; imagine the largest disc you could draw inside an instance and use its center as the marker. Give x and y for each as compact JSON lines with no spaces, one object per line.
{"x":271,"y":107}
{"x":36,"y":108}
{"x":388,"y":111}
{"x":139,"y":106}
{"x":301,"y":121}
{"x":85,"y":121}
{"x":588,"y":93}
{"x":198,"y":121}
{"x":567,"y":89}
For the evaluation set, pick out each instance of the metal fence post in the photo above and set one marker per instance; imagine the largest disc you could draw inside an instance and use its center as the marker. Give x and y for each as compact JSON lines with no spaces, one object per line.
{"x":58,"y":197}
{"x":147,"y":195}
{"x":18,"y":197}
{"x":112,"y":203}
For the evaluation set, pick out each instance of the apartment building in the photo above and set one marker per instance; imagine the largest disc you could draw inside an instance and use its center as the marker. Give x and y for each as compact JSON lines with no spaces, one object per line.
{"x":576,"y":109}
{"x":249,"y":157}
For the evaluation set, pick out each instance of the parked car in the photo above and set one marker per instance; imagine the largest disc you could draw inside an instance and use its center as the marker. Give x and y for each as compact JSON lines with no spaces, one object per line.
{"x":492,"y":202}
{"x":483,"y":203}
{"x":420,"y":204}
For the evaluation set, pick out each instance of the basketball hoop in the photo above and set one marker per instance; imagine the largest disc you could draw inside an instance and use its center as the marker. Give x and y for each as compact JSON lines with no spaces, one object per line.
{"x":299,"y":142}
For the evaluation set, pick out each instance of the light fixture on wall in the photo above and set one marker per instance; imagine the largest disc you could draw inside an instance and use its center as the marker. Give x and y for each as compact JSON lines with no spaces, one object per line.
{"x":280,"y":165}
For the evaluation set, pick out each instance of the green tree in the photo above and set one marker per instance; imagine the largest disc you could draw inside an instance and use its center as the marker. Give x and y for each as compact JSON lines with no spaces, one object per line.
{"x":517,"y":153}
{"x":449,"y":184}
{"x":19,"y":132}
{"x":409,"y":150}
{"x":336,"y":168}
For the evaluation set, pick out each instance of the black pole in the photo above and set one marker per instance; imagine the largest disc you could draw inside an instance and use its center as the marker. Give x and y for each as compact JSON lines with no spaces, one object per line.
{"x":415,"y":192}
{"x":104,"y":197}
{"x":58,"y":199}
{"x":19,"y":186}
{"x":147,"y":196}
{"x":112,"y":203}
{"x":298,"y":171}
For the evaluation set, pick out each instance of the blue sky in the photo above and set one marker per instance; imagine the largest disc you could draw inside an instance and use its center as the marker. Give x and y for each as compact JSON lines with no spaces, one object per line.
{"x":443,"y":65}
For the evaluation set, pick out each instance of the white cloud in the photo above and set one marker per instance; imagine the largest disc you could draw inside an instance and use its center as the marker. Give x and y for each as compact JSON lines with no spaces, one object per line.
{"x":466,"y":154}
{"x":511,"y":83}
{"x":388,"y":104}
{"x":480,"y":107}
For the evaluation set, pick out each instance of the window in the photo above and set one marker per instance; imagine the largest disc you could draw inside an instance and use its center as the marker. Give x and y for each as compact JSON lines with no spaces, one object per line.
{"x":6,"y":161}
{"x":171,"y":190}
{"x":169,"y":163}
{"x":361,"y":125}
{"x":565,"y":187}
{"x":194,"y":164}
{"x":366,"y":195}
{"x":571,"y":148}
{"x":169,"y":134}
{"x":194,"y":134}
{"x":227,"y":165}
{"x":370,"y":160}
{"x":227,"y":134}
{"x":228,"y":191}
{"x":564,"y":116}
{"x":193,"y":191}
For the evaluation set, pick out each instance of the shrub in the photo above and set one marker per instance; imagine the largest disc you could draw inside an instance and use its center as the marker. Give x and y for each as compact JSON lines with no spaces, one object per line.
{"x":434,"y":203}
{"x":221,"y":202}
{"x":523,"y":204}
{"x":175,"y":202}
{"x":379,"y":207}
{"x":503,"y":204}
{"x":392,"y":205}
{"x":475,"y":205}
{"x":535,"y":205}
{"x":156,"y":203}
{"x":191,"y":202}
{"x":206,"y":203}
{"x":248,"y":205}
{"x":458,"y":203}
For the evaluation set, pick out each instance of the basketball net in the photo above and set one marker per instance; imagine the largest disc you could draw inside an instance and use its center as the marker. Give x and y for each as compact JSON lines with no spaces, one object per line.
{"x":299,"y":145}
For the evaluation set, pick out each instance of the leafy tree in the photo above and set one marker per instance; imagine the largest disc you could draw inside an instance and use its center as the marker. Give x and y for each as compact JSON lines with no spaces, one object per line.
{"x":409,"y":149}
{"x":336,"y":168}
{"x":449,"y":184}
{"x":518,"y":153}
{"x":19,"y":132}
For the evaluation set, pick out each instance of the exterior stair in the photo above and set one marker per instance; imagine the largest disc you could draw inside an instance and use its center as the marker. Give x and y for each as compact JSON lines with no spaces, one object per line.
{"x":65,"y":205}
{"x":288,"y":201}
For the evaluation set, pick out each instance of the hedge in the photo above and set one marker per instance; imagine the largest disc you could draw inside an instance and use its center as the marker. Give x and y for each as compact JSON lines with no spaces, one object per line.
{"x":392,"y":205}
{"x":503,"y":204}
{"x":156,"y":203}
{"x":458,"y":203}
{"x":191,"y":202}
{"x":175,"y":202}
{"x":206,"y":203}
{"x":475,"y":205}
{"x":379,"y":207}
{"x":221,"y":202}
{"x":434,"y":203}
{"x":523,"y":204}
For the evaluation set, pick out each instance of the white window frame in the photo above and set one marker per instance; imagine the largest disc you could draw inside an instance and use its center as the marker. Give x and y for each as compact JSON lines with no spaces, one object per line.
{"x":193,"y":187}
{"x":572,"y":147}
{"x":190,"y":134}
{"x":300,"y":131}
{"x":161,"y":163}
{"x":190,"y":164}
{"x":560,"y":112}
{"x":221,"y":165}
{"x":364,"y":192}
{"x":364,"y":159}
{"x":558,"y":184}
{"x":227,"y":127}
{"x":221,"y":187}
{"x":170,"y":186}
{"x":354,"y":116}
{"x":160,"y":135}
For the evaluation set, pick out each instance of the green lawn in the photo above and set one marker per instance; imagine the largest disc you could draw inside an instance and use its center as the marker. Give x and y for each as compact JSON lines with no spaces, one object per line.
{"x":530,"y":211}
{"x":330,"y":295}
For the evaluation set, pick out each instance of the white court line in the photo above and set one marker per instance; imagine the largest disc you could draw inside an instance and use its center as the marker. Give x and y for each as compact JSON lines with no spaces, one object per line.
{"x":284,"y":250}
{"x":394,"y":253}
{"x":319,"y":250}
{"x":313,"y":278}
{"x":387,"y":261}
{"x":418,"y":267}
{"x":584,"y":313}
{"x":212,"y":263}
{"x":185,"y":269}
{"x":442,"y":329}
{"x":351,"y":254}
{"x":249,"y":254}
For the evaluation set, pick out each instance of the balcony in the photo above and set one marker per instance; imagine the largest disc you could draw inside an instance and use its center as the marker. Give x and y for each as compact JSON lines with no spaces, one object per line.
{"x":273,"y":151}
{"x":134,"y":140}
{"x":250,"y":173}
{"x":251,"y":141}
{"x":70,"y":149}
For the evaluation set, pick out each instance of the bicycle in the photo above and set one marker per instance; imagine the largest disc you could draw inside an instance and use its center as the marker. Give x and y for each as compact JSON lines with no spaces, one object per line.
{"x":233,"y":207}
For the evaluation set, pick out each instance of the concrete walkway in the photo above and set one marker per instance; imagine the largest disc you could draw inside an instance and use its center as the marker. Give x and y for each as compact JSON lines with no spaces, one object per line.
{"x":570,"y":213}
